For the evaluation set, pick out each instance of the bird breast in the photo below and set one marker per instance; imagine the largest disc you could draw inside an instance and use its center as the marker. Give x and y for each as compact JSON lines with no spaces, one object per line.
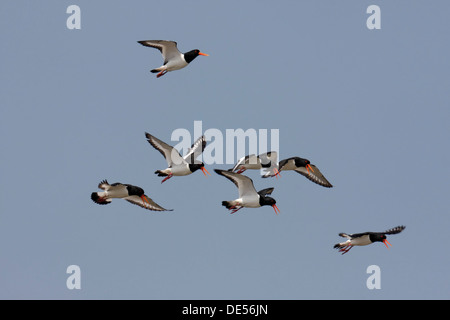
{"x":117,"y":192}
{"x":250,"y":201}
{"x":176,"y":64}
{"x":181,"y":170}
{"x":361,"y":241}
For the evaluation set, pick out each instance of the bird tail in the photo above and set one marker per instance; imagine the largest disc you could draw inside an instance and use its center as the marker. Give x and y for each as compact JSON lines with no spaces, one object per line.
{"x":156,"y":70}
{"x":343,"y":247}
{"x":227,"y":204}
{"x":100,"y":198}
{"x":160,"y":173}
{"x":338,"y":245}
{"x":230,"y":204}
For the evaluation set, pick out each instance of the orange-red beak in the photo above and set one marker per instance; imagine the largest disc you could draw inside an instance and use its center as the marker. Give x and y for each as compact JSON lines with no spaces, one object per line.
{"x":275,"y":208}
{"x":277,"y":173}
{"x":203,"y":54}
{"x":386,"y":243}
{"x":205,"y":171}
{"x":308,"y":167}
{"x":144,"y":198}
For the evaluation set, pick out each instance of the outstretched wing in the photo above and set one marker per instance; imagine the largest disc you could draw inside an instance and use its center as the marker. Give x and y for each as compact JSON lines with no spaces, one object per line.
{"x":171,"y":155}
{"x":243,"y":183}
{"x":265,"y":192}
{"x":253,"y":159}
{"x":314,"y":175}
{"x":104,"y":185}
{"x":344,"y":235}
{"x":195,"y":150}
{"x":395,"y":230}
{"x":168,"y":49}
{"x":146,"y":203}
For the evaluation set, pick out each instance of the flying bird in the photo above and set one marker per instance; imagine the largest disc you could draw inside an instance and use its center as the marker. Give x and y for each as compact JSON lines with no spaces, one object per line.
{"x":265,"y":161}
{"x":365,"y":238}
{"x":133,"y":194}
{"x":305,"y":168}
{"x":248,"y":197}
{"x":178,"y":165}
{"x":173,"y":58}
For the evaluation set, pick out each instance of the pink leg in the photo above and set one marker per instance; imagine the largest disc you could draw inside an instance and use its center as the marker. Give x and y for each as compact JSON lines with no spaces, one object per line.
{"x":346,"y":249}
{"x":161,"y":73}
{"x":167,"y":178}
{"x":234,"y":209}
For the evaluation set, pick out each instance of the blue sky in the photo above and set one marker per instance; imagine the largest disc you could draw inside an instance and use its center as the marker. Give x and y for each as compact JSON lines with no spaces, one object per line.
{"x":370,"y":108}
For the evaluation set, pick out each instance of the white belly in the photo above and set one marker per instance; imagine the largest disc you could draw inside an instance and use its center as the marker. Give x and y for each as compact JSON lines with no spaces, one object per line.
{"x":176,"y":64}
{"x":249,"y":202}
{"x":117,"y":193}
{"x":181,"y":170}
{"x":361,"y":241}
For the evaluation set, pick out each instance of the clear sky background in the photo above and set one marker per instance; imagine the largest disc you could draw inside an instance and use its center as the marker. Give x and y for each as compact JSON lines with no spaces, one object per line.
{"x":370,"y":108}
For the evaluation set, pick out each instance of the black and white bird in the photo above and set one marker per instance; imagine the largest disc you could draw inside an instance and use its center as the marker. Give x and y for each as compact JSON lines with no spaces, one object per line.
{"x":178,"y":165}
{"x":248,"y":197}
{"x":133,"y":194}
{"x":304,"y":167}
{"x":365,"y":238}
{"x":173,"y":58}
{"x":267,"y":161}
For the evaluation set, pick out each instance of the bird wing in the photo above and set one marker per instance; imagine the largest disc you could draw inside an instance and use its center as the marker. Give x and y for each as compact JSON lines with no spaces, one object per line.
{"x":344,"y":235}
{"x":314,"y":175}
{"x":284,"y":162}
{"x":395,"y":230}
{"x":168,"y":49}
{"x":243,"y":183}
{"x":104,"y":185}
{"x":170,"y":153}
{"x":265,"y":192}
{"x":147,"y":204}
{"x":195,"y":150}
{"x":245,"y":160}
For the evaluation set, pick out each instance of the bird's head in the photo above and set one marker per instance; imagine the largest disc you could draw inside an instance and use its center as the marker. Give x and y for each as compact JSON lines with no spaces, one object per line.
{"x":381,"y":238}
{"x":269,"y":201}
{"x":308,"y":165}
{"x":191,"y":55}
{"x":195,"y":166}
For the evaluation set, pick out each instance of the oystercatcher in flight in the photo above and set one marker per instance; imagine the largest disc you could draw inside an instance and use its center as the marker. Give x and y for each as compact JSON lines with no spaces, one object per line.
{"x":248,"y":197}
{"x":178,"y":165}
{"x":265,"y":161}
{"x":304,"y":167}
{"x":365,"y":238}
{"x":133,"y":194}
{"x":173,"y":58}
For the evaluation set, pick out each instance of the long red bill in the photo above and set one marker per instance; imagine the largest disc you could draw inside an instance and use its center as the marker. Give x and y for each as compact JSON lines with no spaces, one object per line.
{"x":277,"y":173}
{"x":203,"y":54}
{"x":203,"y":170}
{"x":386,"y":243}
{"x":275,"y":208}
{"x":144,"y":198}
{"x":308,"y":167}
